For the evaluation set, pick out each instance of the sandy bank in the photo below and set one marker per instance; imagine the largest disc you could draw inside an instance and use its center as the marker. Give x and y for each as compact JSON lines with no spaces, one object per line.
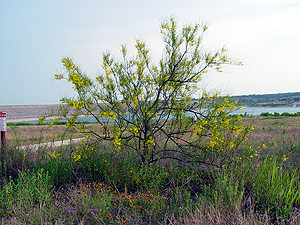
{"x":22,"y":113}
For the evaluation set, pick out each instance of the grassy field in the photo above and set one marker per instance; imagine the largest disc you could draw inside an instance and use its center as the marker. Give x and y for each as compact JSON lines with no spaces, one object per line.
{"x":34,"y":134}
{"x":260,"y":185}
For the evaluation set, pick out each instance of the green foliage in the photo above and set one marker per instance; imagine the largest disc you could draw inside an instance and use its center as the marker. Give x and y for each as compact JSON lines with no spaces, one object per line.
{"x":278,"y":114}
{"x":181,"y":199}
{"x":58,"y":164}
{"x":266,"y":114}
{"x":29,"y":189}
{"x":225,"y":191}
{"x":150,"y":104}
{"x":276,"y":188}
{"x":14,"y":159}
{"x":150,"y":177}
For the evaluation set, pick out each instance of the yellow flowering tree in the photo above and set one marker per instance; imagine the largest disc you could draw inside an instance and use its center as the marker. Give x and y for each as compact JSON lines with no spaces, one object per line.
{"x":148,"y":108}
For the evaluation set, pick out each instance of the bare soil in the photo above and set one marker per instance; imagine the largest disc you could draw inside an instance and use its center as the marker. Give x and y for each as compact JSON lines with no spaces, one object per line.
{"x":22,"y":113}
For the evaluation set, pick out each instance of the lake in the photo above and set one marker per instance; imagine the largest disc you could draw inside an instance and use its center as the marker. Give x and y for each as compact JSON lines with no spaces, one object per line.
{"x":256,"y":111}
{"x":251,"y":111}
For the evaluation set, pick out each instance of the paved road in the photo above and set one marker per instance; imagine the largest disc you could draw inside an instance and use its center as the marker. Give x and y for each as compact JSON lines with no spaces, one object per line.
{"x":35,"y":147}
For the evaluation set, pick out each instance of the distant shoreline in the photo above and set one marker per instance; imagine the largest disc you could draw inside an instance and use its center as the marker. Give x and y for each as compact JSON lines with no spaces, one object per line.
{"x":23,"y":113}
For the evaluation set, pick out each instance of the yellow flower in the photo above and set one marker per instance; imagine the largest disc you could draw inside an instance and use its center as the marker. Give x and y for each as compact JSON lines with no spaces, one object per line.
{"x":58,"y":76}
{"x":231,"y":144}
{"x":117,"y":142}
{"x":76,"y":157}
{"x":55,"y":154}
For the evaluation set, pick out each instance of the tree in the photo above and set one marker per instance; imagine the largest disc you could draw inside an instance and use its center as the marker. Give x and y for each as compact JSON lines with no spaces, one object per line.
{"x":148,"y":108}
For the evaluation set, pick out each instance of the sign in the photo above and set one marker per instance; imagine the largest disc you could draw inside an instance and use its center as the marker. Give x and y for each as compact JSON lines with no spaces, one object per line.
{"x":2,"y":121}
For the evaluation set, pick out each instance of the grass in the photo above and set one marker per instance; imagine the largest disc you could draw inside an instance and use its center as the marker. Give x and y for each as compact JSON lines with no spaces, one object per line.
{"x":34,"y":134}
{"x":104,"y":186}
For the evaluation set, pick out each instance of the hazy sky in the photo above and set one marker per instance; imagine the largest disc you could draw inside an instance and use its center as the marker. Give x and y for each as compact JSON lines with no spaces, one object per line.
{"x":36,"y":34}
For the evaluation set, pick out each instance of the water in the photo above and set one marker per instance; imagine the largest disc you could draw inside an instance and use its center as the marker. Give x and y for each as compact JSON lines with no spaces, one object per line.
{"x":90,"y":119}
{"x":251,"y":111}
{"x":256,"y":111}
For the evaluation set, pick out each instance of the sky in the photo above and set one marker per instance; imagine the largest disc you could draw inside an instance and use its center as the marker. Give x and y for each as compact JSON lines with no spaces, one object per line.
{"x":35,"y":35}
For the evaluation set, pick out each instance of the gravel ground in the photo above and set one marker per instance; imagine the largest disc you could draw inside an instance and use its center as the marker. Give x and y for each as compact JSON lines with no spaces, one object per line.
{"x":21,"y":113}
{"x":55,"y":144}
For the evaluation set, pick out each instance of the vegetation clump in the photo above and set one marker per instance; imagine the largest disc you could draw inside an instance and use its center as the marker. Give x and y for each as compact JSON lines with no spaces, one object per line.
{"x":147,"y":107}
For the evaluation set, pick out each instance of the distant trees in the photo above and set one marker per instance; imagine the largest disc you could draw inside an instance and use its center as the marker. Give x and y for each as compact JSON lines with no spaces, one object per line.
{"x":271,"y":100}
{"x":147,"y":107}
{"x":278,"y":114}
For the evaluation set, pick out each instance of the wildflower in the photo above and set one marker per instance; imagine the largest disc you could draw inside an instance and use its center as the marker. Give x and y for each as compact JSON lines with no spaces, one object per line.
{"x":108,"y":215}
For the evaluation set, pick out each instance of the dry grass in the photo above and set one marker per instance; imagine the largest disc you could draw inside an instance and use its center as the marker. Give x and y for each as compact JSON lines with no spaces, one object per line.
{"x":280,"y":135}
{"x":32,"y":134}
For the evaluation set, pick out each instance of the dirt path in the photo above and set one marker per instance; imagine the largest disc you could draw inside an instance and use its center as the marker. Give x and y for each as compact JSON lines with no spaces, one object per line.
{"x":55,"y":144}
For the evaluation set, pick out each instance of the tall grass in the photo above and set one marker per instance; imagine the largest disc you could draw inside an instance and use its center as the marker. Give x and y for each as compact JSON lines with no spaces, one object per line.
{"x":55,"y":186}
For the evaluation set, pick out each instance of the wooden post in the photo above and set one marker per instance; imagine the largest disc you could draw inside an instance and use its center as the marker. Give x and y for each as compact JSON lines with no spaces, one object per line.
{"x":3,"y":141}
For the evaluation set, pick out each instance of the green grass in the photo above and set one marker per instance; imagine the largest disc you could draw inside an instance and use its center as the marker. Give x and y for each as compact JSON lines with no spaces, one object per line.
{"x":106,"y":186}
